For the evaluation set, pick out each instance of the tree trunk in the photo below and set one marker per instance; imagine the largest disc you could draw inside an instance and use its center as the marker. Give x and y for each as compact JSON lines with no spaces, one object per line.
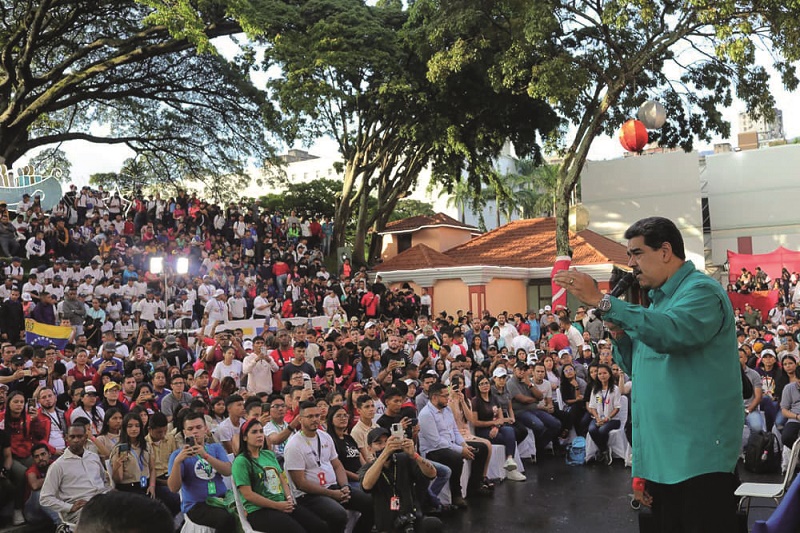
{"x":344,"y":209}
{"x":359,"y":257}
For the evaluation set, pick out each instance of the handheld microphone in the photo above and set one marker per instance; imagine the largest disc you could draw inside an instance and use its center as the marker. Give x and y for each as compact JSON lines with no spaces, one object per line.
{"x":619,"y":289}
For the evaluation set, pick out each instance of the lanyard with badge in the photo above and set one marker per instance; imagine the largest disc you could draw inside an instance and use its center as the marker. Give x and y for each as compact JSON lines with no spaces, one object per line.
{"x":140,"y":460}
{"x":206,"y":466}
{"x":394,"y":501}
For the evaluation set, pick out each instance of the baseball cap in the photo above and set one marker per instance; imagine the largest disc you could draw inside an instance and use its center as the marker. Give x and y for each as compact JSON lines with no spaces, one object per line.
{"x":376,"y":433}
{"x":547,"y":308}
{"x":89,"y":390}
{"x":18,"y":360}
{"x":200,"y":373}
{"x":218,"y":292}
{"x":412,"y":381}
{"x":111,"y":385}
{"x":585,"y":347}
{"x":370,"y":324}
{"x":170,"y":340}
{"x":565,"y":351}
{"x":768,"y":351}
{"x":110,"y":346}
{"x":247,"y":345}
{"x":500,"y":372}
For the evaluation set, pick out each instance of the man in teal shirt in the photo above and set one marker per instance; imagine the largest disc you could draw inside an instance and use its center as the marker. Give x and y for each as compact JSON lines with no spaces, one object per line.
{"x":681,"y":353}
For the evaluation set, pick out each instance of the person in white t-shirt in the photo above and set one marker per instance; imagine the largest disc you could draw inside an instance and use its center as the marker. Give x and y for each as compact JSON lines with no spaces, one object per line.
{"x":228,"y":367}
{"x":216,"y":309}
{"x":237,"y":305}
{"x":319,"y":481}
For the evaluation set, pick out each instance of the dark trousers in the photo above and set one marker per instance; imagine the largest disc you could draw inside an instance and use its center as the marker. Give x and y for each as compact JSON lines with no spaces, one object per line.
{"x":335,"y":514}
{"x":790,"y":433}
{"x":702,"y":504}
{"x":455,"y":462}
{"x":214,"y":517}
{"x":300,"y":520}
{"x":171,"y":499}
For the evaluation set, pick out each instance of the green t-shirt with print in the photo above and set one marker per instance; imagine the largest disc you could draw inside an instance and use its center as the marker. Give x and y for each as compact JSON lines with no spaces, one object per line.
{"x":262,"y":474}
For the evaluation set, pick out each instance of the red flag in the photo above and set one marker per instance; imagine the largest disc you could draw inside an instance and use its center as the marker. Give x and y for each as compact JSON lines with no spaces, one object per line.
{"x":559,"y":293}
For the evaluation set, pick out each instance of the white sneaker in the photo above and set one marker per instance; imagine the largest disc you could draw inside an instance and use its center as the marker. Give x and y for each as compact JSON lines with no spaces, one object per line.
{"x":514,"y":475}
{"x":19,"y":518}
{"x":510,"y":465}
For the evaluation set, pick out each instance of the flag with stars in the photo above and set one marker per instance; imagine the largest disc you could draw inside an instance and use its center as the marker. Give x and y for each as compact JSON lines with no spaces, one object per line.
{"x":38,"y":334}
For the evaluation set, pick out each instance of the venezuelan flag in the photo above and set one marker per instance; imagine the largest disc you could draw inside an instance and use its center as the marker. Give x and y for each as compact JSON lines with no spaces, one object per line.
{"x":38,"y":334}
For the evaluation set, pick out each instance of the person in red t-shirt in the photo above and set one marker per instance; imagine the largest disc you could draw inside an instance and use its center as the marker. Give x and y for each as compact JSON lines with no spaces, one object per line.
{"x":370,"y":302}
{"x":283,"y":354}
{"x":35,"y":513}
{"x":558,"y":341}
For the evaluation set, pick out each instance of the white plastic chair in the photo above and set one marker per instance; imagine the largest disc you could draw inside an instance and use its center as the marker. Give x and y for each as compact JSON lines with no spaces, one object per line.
{"x":497,"y":464}
{"x":527,"y":448}
{"x":618,"y":443}
{"x":746,"y":491}
{"x":246,"y":527}
{"x":445,"y":496}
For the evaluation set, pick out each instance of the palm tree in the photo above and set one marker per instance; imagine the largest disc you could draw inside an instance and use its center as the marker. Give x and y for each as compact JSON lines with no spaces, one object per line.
{"x":461,"y":198}
{"x":532,"y":189}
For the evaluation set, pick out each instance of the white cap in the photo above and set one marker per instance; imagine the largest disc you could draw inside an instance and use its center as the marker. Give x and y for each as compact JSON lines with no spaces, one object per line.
{"x":218,"y":292}
{"x":247,"y":345}
{"x":782,"y":327}
{"x":565,"y":351}
{"x":541,"y":311}
{"x":547,"y":308}
{"x":499,"y":372}
{"x":370,"y":324}
{"x":768,"y":351}
{"x":587,"y":346}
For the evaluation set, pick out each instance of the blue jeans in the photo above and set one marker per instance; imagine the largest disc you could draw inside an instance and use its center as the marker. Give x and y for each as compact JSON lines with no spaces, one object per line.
{"x":545,"y":426}
{"x":600,"y":434}
{"x":754,"y":421}
{"x":505,"y":437}
{"x":35,"y":513}
{"x":443,"y":473}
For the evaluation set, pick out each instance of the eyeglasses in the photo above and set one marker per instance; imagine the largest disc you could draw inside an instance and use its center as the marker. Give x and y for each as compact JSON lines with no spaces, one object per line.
{"x":278,"y":405}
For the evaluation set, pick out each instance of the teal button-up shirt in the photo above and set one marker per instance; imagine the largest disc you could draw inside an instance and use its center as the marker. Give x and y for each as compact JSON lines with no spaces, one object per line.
{"x":682,"y":356}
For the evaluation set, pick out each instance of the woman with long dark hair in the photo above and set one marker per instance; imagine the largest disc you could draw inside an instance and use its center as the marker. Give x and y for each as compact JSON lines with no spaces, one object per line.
{"x":24,"y":429}
{"x":490,"y":423}
{"x":266,"y":496}
{"x":145,"y":398}
{"x":133,"y":467}
{"x":87,"y":408}
{"x":346,"y":448}
{"x":604,"y":404}
{"x":572,"y":390}
{"x":109,"y":435}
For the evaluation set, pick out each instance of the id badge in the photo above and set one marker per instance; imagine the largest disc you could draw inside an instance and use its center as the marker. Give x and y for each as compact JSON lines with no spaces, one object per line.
{"x":212,"y":488}
{"x":143,"y":481}
{"x":394,"y":503}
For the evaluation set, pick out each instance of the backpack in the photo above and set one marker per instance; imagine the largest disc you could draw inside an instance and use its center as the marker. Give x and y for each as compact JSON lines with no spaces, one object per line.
{"x":762,"y":454}
{"x":576,"y":453}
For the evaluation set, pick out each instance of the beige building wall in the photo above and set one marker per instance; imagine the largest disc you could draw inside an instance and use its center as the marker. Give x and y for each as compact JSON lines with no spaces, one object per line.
{"x":450,"y":295}
{"x":507,"y":295}
{"x":389,"y":247}
{"x":440,"y":239}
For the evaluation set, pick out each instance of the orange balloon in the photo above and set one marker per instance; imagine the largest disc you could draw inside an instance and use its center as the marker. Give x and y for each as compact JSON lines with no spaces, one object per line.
{"x":633,"y":136}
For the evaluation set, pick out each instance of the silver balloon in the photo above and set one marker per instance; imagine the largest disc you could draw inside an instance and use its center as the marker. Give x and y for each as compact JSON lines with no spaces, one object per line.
{"x":652,"y":114}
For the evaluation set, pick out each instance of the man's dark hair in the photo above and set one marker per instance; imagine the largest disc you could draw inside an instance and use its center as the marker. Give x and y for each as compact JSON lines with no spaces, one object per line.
{"x":392,"y":392}
{"x":361,"y":400}
{"x":233,"y":398}
{"x":252,"y":401}
{"x":656,"y":231}
{"x":158,"y":420}
{"x":435,"y":389}
{"x":38,"y":446}
{"x":307,"y":405}
{"x":193,"y":415}
{"x":117,"y":511}
{"x":553,"y":326}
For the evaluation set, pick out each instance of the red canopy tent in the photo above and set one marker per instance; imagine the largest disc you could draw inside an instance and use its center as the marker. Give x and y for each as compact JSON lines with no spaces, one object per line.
{"x":771,"y":263}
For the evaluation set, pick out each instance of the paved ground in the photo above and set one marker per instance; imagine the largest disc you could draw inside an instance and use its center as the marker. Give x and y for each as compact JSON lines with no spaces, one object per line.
{"x":556,"y":498}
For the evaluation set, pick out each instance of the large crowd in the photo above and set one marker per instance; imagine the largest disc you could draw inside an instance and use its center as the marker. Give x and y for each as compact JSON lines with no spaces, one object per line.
{"x":158,"y":392}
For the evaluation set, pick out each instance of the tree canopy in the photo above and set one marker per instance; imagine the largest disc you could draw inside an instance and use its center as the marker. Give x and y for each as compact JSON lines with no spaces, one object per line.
{"x":68,"y":65}
{"x":597,"y":61}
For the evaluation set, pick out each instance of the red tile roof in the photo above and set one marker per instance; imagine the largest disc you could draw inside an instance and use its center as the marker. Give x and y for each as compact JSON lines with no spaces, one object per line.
{"x":414,"y":223}
{"x":531,"y":243}
{"x":416,"y":257}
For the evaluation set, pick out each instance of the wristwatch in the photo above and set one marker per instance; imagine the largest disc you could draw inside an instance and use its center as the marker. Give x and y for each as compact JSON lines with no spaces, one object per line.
{"x":604,"y":305}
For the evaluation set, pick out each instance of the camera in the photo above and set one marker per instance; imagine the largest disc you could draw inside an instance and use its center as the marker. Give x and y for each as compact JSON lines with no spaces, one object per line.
{"x":405,"y":523}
